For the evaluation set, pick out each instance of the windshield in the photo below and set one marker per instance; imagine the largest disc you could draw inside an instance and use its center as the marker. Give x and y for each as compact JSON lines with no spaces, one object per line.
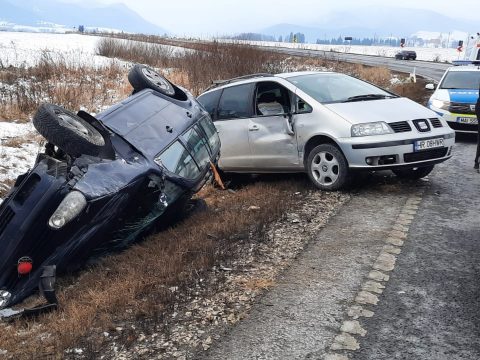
{"x":330,"y":88}
{"x":461,"y":80}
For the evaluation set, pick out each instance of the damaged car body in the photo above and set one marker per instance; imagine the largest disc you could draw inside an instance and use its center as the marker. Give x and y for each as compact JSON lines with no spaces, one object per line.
{"x":102,"y":182}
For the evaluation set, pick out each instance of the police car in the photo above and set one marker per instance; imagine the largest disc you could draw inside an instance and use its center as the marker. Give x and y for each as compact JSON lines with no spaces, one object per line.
{"x":456,"y":95}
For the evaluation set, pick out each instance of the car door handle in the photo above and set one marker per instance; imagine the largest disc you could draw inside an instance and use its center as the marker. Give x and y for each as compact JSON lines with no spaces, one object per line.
{"x":253,"y":128}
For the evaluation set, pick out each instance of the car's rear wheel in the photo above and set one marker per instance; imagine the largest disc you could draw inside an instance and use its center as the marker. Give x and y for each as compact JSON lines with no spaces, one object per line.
{"x":327,"y":167}
{"x":66,"y":130}
{"x":142,"y":77}
{"x":413,"y":173}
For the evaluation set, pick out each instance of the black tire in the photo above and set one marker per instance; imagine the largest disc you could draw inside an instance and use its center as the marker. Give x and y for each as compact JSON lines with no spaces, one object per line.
{"x":66,"y":130}
{"x":413,"y":173}
{"x":142,"y":77}
{"x":327,"y":167}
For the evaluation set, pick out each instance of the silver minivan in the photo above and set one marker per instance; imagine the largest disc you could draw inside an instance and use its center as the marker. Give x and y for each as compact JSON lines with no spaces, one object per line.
{"x":327,"y":124}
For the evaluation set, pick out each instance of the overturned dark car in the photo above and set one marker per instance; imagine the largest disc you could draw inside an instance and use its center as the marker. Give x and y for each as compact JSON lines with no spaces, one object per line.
{"x":102,"y":182}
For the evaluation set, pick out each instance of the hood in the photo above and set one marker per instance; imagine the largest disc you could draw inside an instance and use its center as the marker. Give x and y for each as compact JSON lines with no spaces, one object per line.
{"x":466,"y":96}
{"x":463,"y":96}
{"x":388,"y":110}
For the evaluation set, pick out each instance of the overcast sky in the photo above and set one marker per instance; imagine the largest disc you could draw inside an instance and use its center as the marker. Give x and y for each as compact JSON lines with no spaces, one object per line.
{"x":207,"y":17}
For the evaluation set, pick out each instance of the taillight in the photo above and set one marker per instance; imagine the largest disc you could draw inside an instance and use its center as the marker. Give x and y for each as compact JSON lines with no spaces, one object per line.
{"x":24,"y":266}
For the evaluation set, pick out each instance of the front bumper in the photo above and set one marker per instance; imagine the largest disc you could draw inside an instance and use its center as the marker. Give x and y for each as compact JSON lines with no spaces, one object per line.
{"x":464,"y":123}
{"x":397,"y":152}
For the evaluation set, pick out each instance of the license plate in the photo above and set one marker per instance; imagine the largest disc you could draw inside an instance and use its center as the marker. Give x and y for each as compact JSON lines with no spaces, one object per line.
{"x":428,"y":144}
{"x":467,"y":120}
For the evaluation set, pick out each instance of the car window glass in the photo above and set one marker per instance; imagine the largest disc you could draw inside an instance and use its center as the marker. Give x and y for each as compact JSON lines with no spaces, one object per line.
{"x":235,"y":102}
{"x":329,"y":88}
{"x":177,"y":160}
{"x":211,"y":131}
{"x":271,"y":99}
{"x":461,"y":80}
{"x":210,"y":102}
{"x":301,"y":106}
{"x":198,"y":146}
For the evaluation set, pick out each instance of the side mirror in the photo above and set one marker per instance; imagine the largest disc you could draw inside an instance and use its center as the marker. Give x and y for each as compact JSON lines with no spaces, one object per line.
{"x":430,"y":86}
{"x":289,"y":123}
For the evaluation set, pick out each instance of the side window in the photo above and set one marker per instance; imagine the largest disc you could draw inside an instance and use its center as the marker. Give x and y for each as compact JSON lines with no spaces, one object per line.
{"x":211,"y":131}
{"x":198,"y":146}
{"x":301,"y":107}
{"x":210,"y":102}
{"x":272,"y":99}
{"x":178,"y":160}
{"x":235,"y":102}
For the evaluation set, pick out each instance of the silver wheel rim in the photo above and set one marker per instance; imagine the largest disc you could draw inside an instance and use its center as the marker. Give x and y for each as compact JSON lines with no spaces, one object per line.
{"x":325,"y":168}
{"x":73,"y":124}
{"x":157,"y":80}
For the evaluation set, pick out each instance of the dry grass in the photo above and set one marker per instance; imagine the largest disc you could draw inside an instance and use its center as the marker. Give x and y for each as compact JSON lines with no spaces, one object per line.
{"x":15,"y":142}
{"x":135,"y":284}
{"x":59,"y":81}
{"x":5,"y":187}
{"x":414,"y":91}
{"x":199,"y":65}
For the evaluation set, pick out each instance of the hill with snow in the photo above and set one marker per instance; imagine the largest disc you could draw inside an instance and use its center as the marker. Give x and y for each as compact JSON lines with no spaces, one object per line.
{"x":56,"y":16}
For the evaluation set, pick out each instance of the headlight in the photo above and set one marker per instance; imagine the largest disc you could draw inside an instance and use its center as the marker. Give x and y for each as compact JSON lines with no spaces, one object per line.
{"x":4,"y":298}
{"x":374,"y":128}
{"x":440,"y":104}
{"x":69,"y":208}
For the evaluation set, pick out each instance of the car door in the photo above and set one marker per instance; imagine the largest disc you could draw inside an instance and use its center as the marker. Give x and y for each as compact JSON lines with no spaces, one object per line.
{"x":232,"y":121}
{"x":271,"y":130}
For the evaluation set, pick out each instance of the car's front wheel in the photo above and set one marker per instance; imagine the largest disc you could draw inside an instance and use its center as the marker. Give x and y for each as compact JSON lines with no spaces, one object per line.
{"x":327,"y":167}
{"x":413,"y":173}
{"x":69,"y":132}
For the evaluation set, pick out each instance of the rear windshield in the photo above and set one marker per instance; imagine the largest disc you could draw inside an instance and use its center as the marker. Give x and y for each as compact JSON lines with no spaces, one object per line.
{"x":461,"y":80}
{"x":330,"y":88}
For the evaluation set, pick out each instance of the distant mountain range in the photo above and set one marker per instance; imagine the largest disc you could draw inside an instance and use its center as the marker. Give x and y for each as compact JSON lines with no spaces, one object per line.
{"x":37,"y":13}
{"x":374,"y":21}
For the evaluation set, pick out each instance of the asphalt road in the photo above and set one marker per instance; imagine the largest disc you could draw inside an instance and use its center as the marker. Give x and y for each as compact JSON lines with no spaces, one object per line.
{"x":352,"y":294}
{"x":431,"y":306}
{"x":426,"y":69}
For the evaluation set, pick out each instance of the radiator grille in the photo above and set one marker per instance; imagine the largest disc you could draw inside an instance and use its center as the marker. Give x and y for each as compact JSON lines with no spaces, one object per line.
{"x":436,"y":123}
{"x":400,"y":126}
{"x":460,"y":108}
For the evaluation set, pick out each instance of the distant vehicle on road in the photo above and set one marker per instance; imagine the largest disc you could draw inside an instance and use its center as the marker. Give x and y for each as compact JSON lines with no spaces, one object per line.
{"x":455,"y":96}
{"x":326,"y":124}
{"x":406,"y":55}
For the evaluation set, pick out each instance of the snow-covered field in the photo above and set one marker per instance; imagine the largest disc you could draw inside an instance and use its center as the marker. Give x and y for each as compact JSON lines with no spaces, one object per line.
{"x":16,"y":157}
{"x":25,"y":49}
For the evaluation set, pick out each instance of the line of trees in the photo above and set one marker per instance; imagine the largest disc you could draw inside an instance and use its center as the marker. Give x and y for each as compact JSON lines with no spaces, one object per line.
{"x":360,"y":41}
